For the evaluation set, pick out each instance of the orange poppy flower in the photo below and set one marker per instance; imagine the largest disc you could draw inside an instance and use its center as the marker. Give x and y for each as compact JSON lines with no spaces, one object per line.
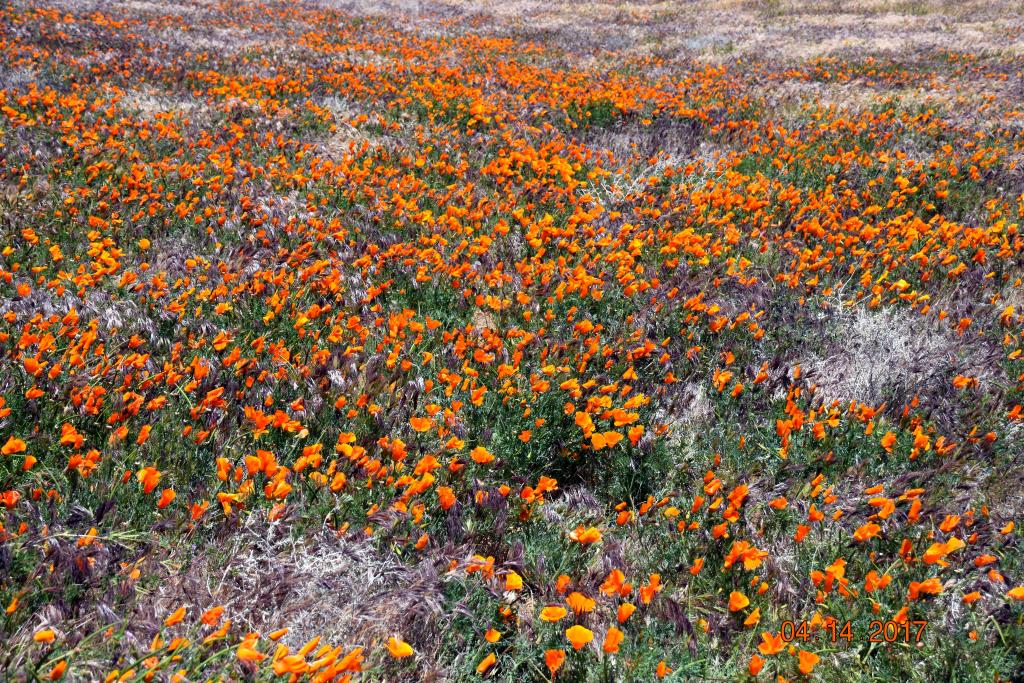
{"x":585,"y":536}
{"x":45,"y":635}
{"x":737,"y":601}
{"x":399,"y":649}
{"x":57,"y":672}
{"x":553,"y":613}
{"x":806,"y":661}
{"x":579,"y":636}
{"x":771,"y":644}
{"x":486,"y":663}
{"x":612,"y":640}
{"x":13,"y":445}
{"x":579,"y":603}
{"x":625,"y":610}
{"x":421,"y":424}
{"x":166,"y":498}
{"x":176,"y":617}
{"x":481,"y":455}
{"x":554,"y":659}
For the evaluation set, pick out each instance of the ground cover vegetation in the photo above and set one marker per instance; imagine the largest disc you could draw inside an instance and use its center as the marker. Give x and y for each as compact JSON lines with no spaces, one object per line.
{"x":348,"y":343}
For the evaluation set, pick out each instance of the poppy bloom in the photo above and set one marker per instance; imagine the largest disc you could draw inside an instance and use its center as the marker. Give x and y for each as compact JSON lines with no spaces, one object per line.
{"x":806,"y":661}
{"x":513,"y":582}
{"x":398,"y":648}
{"x":585,"y":536}
{"x":601,"y":440}
{"x":553,"y":659}
{"x":737,"y":601}
{"x":148,"y":477}
{"x":13,"y":445}
{"x":166,"y":498}
{"x":486,"y":663}
{"x":481,"y":455}
{"x":45,"y":635}
{"x":176,"y":617}
{"x":888,"y":441}
{"x":212,"y":616}
{"x":650,"y":589}
{"x":771,"y":644}
{"x":579,"y":636}
{"x":247,"y":651}
{"x":553,"y":613}
{"x":421,"y":424}
{"x":57,"y":672}
{"x":446,"y":497}
{"x":624,"y":612}
{"x":612,"y":640}
{"x":579,"y":603}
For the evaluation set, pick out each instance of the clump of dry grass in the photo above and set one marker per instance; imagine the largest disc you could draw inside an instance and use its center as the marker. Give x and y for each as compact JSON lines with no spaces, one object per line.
{"x":338,"y":587}
{"x":888,"y":355}
{"x":150,"y":102}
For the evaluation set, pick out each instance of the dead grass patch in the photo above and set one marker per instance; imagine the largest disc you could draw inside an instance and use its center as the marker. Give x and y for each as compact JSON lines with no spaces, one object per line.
{"x":149,"y":102}
{"x":889,"y":355}
{"x":342,"y":589}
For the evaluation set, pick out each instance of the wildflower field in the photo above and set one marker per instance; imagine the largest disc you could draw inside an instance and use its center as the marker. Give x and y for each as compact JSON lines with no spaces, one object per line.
{"x":524,"y":341}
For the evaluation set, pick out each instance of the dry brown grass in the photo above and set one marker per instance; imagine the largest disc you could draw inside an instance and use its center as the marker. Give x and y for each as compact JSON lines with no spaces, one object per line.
{"x":340,"y":588}
{"x":768,"y":29}
{"x":882,"y":355}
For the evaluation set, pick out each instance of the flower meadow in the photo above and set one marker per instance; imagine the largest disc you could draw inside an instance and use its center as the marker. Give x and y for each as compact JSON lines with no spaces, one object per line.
{"x":341,"y":347}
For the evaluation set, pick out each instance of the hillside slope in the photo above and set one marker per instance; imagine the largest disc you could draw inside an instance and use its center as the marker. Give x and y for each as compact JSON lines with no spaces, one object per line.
{"x":530,"y":341}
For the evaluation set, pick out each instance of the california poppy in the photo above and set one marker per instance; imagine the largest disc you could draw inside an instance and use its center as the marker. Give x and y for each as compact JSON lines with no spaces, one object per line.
{"x":579,"y":636}
{"x":553,"y":659}
{"x":553,"y":613}
{"x":612,"y":640}
{"x":486,"y":663}
{"x":737,"y":601}
{"x":807,"y":661}
{"x":398,"y":648}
